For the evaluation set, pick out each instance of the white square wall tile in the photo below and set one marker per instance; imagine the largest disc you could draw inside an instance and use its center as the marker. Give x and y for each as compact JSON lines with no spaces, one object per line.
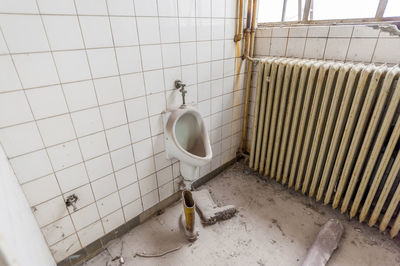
{"x":158,"y":143}
{"x":203,"y":8}
{"x":188,"y":53}
{"x":187,"y":29}
{"x":384,"y":52}
{"x":361,"y":49}
{"x":23,"y":6}
{"x":203,"y":51}
{"x":102,"y":62}
{"x":14,"y":109}
{"x":63,"y":32}
{"x":91,"y":7}
{"x":166,"y":190}
{"x":129,"y":60}
{"x":36,"y":69}
{"x":151,"y":57}
{"x":148,"y":184}
{"x":340,"y":31}
{"x":72,"y":177}
{"x":56,"y":6}
{"x":315,"y":48}
{"x":218,"y":8}
{"x":50,"y":211}
{"x":65,"y":247}
{"x":149,"y":31}
{"x":108,"y":90}
{"x":58,"y":230}
{"x":20,"y":139}
{"x":41,"y":189}
{"x":156,"y":103}
{"x":145,"y":167}
{"x":171,"y":55}
{"x":8,"y":78}
{"x":217,"y":50}
{"x":108,"y":204}
{"x":72,"y":65}
{"x":104,"y":186}
{"x":336,"y":48}
{"x":133,"y":85}
{"x":121,"y":7}
{"x":47,"y":101}
{"x":30,"y":166}
{"x":124,"y":31}
{"x":162,"y":161}
{"x":169,"y":29}
{"x":203,"y":72}
{"x":129,"y":193}
{"x":136,"y":109}
{"x":295,"y":47}
{"x":113,"y":114}
{"x":118,"y":137}
{"x":140,"y":130}
{"x":203,"y":29}
{"x":85,"y":216}
{"x":24,"y":33}
{"x":93,"y":145}
{"x":187,"y":8}
{"x":278,"y":46}
{"x":113,"y":220}
{"x":150,"y":199}
{"x":164,"y":176}
{"x":143,"y":149}
{"x":99,"y":167}
{"x":64,"y":155}
{"x":80,"y":95}
{"x":90,"y":233}
{"x":126,"y":176}
{"x":167,"y":8}
{"x":87,"y":121}
{"x":154,"y":81}
{"x":146,"y":8}
{"x":133,"y":209}
{"x":56,"y":129}
{"x":156,"y":125}
{"x":122,"y":158}
{"x":96,"y":31}
{"x":170,"y":75}
{"x":217,"y":29}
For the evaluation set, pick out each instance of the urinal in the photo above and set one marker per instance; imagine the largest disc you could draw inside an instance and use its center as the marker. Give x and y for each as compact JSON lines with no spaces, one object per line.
{"x":186,"y":139}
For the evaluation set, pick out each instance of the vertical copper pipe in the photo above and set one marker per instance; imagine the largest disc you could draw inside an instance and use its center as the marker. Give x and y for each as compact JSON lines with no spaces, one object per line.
{"x":247,"y":31}
{"x":239,"y":29}
{"x":249,"y":69}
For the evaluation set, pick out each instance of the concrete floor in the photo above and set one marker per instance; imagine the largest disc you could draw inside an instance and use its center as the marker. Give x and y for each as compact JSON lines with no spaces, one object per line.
{"x":274,"y":226}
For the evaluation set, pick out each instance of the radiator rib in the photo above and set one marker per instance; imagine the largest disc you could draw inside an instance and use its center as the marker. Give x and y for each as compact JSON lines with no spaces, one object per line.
{"x":331,"y":129}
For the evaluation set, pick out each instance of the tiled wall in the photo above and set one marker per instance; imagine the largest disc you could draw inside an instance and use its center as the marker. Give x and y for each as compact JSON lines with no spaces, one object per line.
{"x":82,"y":87}
{"x":349,"y":43}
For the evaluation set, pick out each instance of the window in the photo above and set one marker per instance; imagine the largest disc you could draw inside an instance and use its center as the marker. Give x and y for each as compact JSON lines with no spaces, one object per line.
{"x":316,"y":10}
{"x":343,"y":9}
{"x":392,"y":8}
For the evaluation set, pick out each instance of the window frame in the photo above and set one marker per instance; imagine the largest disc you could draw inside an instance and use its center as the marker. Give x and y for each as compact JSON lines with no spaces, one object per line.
{"x":306,"y":16}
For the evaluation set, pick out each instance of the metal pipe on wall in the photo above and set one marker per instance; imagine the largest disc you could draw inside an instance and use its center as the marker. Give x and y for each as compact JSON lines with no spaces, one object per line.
{"x":239,"y":29}
{"x":249,"y":50}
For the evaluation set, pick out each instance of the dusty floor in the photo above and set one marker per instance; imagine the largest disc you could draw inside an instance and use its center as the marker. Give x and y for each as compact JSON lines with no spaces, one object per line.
{"x":274,"y":226}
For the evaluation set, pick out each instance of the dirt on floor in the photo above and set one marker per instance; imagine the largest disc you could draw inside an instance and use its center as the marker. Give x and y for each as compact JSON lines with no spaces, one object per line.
{"x":274,"y":226}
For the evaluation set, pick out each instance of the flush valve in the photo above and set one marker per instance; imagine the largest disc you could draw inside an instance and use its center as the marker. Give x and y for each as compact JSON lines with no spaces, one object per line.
{"x":181,"y":86}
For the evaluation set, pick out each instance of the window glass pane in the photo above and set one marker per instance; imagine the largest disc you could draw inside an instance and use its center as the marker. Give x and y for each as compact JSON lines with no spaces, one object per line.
{"x":270,"y":11}
{"x":392,"y":9}
{"x":291,"y":13}
{"x":342,"y":9}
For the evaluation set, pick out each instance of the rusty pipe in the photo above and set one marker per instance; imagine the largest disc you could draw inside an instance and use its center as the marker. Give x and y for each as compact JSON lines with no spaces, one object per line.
{"x":239,"y":29}
{"x":247,"y":30}
{"x":248,"y":55}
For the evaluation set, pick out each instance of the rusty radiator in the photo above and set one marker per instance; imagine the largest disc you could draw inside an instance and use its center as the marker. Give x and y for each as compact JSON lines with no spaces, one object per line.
{"x":331,"y":130}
